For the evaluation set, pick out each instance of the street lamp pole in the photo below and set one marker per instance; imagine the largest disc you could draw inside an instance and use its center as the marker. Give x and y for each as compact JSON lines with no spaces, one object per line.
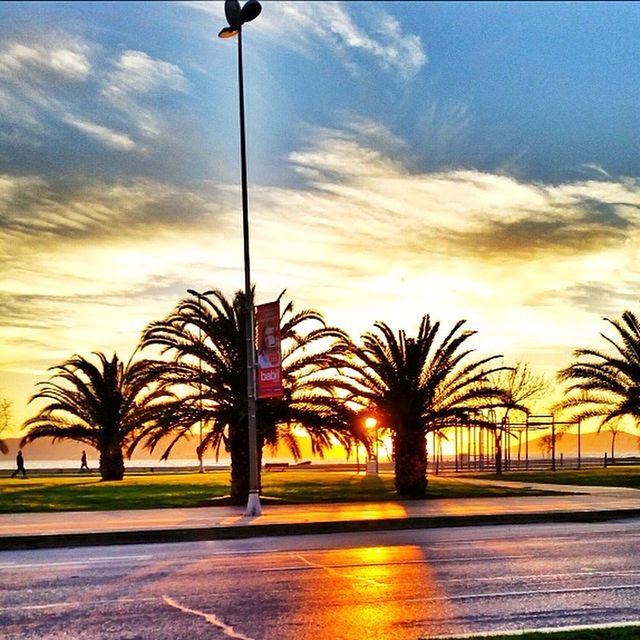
{"x":236,"y":17}
{"x":372,"y":423}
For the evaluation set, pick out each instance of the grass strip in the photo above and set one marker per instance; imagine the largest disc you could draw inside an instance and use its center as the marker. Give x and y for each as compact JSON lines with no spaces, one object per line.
{"x":144,"y":491}
{"x":628,"y":476}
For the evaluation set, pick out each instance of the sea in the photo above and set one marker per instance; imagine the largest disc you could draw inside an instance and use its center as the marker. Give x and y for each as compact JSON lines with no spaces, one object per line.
{"x":8,"y":464}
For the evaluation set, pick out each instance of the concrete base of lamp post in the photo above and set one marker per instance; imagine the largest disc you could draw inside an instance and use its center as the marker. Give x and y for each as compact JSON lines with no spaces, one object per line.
{"x":253,"y":505}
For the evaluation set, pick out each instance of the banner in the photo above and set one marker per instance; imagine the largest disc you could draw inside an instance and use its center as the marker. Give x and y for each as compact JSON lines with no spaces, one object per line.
{"x":269,"y":373}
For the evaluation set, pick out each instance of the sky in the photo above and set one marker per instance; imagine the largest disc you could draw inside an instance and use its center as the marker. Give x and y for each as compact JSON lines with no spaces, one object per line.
{"x":472,"y":161}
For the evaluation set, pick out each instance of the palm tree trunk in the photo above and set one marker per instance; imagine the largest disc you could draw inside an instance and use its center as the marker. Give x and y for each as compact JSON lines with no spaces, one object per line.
{"x":240,"y":475}
{"x":239,"y":450}
{"x":111,"y":462}
{"x":410,"y":463}
{"x":613,"y":445}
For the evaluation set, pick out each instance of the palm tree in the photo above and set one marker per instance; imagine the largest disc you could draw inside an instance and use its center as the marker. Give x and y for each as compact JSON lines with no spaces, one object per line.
{"x":205,"y":335}
{"x":606,"y":386}
{"x":415,"y":386}
{"x":99,"y":405}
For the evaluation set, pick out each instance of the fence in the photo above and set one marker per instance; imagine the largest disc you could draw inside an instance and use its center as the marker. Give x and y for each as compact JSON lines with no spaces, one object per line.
{"x":466,"y":464}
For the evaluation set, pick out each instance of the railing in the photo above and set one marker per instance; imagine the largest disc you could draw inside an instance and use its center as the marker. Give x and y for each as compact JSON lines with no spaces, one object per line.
{"x":465,"y":464}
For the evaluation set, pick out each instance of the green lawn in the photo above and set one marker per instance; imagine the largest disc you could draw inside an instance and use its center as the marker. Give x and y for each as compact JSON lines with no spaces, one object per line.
{"x":82,"y":493}
{"x":609,"y":477}
{"x":615,"y":633}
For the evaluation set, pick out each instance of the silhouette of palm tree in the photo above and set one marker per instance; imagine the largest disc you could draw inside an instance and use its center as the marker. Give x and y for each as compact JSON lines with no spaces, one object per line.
{"x":101,"y":406}
{"x":205,"y":335}
{"x":606,"y":385}
{"x":415,"y":386}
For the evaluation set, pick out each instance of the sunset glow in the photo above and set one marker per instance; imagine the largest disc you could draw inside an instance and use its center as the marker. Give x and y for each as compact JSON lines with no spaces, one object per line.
{"x":467,"y":160}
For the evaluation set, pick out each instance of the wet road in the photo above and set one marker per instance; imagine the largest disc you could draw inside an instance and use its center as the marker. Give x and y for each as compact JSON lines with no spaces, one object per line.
{"x":396,"y":585}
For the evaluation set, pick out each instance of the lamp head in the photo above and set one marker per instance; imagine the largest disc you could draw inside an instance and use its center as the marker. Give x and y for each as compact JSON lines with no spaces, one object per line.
{"x":228,"y":32}
{"x":236,"y":16}
{"x":232,"y":13}
{"x":250,"y":11}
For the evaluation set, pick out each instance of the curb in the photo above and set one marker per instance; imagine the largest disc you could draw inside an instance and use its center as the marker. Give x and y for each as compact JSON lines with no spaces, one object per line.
{"x":103,"y":538}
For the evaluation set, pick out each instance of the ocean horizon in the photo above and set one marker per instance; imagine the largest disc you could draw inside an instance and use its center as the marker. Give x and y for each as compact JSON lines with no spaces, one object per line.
{"x":9,"y":464}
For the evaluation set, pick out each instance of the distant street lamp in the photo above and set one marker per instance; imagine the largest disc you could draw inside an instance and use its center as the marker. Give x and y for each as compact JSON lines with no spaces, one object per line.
{"x":200,"y":296}
{"x":372,"y":423}
{"x":236,"y":17}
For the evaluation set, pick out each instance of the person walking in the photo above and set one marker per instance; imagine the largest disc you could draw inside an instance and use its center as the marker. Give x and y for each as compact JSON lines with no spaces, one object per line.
{"x":83,"y":462}
{"x":19,"y":465}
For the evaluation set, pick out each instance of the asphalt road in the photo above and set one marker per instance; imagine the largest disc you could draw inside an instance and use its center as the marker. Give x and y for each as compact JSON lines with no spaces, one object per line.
{"x":393,"y":585}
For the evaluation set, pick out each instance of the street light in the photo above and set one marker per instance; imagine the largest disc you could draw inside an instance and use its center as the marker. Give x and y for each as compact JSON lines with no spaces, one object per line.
{"x":372,"y":423}
{"x":236,"y":17}
{"x":200,"y":296}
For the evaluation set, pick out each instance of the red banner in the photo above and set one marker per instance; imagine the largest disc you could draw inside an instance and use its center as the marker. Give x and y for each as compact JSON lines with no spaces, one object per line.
{"x":269,"y":373}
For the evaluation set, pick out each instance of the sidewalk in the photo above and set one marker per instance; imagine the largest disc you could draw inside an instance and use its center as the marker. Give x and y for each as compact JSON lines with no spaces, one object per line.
{"x":574,"y":504}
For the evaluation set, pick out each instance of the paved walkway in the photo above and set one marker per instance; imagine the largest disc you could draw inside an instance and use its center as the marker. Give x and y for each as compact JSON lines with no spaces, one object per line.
{"x":30,"y":530}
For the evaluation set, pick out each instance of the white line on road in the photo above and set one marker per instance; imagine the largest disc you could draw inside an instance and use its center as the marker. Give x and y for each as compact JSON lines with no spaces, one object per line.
{"x":60,"y":605}
{"x":209,"y":617}
{"x":310,"y":565}
{"x":518,"y":594}
{"x":333,"y":570}
{"x":72,"y":563}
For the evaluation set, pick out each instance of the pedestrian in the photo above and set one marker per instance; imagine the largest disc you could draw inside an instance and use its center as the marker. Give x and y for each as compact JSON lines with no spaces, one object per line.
{"x":19,"y":465}
{"x":83,"y":462}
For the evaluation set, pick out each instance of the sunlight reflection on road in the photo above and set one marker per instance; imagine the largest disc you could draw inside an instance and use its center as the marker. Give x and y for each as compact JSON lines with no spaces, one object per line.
{"x":365,"y":593}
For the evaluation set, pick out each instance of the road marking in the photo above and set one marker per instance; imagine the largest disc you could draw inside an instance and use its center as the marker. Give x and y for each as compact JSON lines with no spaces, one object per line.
{"x":209,"y":617}
{"x":71,"y":563}
{"x":332,"y":569}
{"x":58,"y":605}
{"x":310,"y":565}
{"x":543,"y":576}
{"x":511,"y":594}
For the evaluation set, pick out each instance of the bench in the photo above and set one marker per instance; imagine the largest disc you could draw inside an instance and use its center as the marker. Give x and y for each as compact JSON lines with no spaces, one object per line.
{"x":276,"y":466}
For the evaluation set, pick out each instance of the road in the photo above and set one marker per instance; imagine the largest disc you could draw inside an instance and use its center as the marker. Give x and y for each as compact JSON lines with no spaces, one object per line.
{"x":392,"y":585}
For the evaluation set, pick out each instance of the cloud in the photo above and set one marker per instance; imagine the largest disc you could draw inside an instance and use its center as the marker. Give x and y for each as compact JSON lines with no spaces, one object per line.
{"x":136,"y":73}
{"x":531,"y":266}
{"x":481,"y":215}
{"x":332,"y":148}
{"x":106,"y":136}
{"x":62,"y":79}
{"x":36,"y":77}
{"x":136,"y":77}
{"x":38,"y":212}
{"x":20,"y":62}
{"x":528,"y":263}
{"x":592,"y":168}
{"x":307,"y":27}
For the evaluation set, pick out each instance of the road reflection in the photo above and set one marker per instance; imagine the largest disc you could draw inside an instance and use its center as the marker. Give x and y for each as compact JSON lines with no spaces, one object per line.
{"x":367,"y":593}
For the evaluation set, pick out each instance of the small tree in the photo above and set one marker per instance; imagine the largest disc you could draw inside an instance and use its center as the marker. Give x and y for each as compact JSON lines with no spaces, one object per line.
{"x":614,"y":427}
{"x":521,"y":388}
{"x":5,"y":420}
